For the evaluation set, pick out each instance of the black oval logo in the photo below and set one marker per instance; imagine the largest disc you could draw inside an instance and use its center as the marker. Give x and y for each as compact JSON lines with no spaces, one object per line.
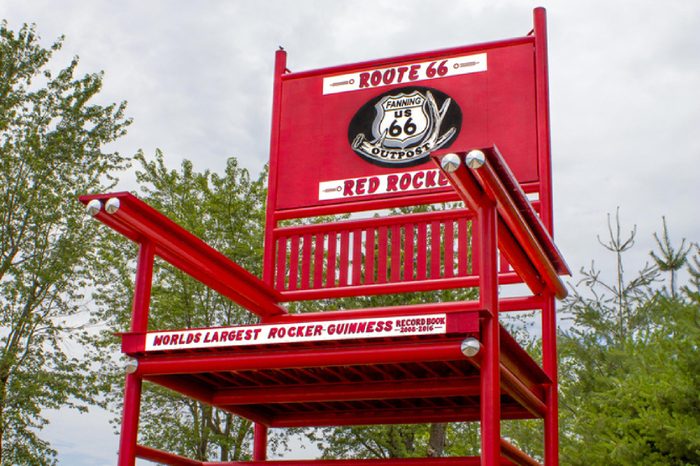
{"x":403,"y":126}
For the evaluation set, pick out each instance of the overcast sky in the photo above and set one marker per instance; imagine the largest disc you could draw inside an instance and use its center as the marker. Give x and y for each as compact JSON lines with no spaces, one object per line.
{"x":624,"y":83}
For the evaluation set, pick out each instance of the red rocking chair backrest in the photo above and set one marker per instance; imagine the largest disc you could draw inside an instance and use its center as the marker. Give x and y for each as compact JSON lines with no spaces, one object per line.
{"x":346,"y":140}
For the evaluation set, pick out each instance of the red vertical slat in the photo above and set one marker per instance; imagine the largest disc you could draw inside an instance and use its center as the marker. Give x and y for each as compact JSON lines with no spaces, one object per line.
{"x":476,"y":247}
{"x":395,"y":253}
{"x":434,"y":250}
{"x":421,"y":251}
{"x":408,"y":252}
{"x":369,"y":255}
{"x":294,"y":263}
{"x":318,"y":260}
{"x":344,"y":257}
{"x":281,"y":263}
{"x":357,"y":257}
{"x":306,"y":262}
{"x":462,"y":248}
{"x":449,"y":249}
{"x":330,"y":269}
{"x":382,"y":255}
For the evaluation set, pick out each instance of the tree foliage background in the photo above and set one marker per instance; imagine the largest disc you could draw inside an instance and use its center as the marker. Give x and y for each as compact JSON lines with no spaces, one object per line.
{"x":227,"y":212}
{"x":52,"y":139}
{"x":630,"y":362}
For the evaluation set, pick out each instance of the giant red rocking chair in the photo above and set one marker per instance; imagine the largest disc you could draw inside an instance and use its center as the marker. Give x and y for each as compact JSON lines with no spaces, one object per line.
{"x":427,"y":363}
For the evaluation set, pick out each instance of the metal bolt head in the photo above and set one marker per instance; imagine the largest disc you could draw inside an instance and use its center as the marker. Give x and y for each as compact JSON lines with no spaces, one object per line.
{"x":93,"y":207}
{"x":131,"y":366}
{"x":475,"y":158}
{"x":450,"y":162}
{"x":470,"y":347}
{"x":112,"y":205}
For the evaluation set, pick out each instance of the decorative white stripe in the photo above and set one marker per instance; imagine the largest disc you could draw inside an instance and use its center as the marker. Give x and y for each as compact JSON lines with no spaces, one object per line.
{"x":418,"y":180}
{"x":428,"y":324}
{"x":405,"y":74}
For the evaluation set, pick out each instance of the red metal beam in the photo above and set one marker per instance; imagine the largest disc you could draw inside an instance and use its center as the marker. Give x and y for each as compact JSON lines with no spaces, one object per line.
{"x":130,"y":420}
{"x":270,"y":221}
{"x":374,"y":222}
{"x":522,"y":394}
{"x":523,"y":391}
{"x":392,"y":416}
{"x":159,"y":456}
{"x":549,"y":321}
{"x":490,"y":380}
{"x":494,"y":181}
{"x":544,"y":156}
{"x":516,"y":455}
{"x":131,"y":409}
{"x":525,"y":303}
{"x":142,"y":288}
{"x":259,"y":442}
{"x":522,"y":221}
{"x":518,"y":259}
{"x":413,"y":57}
{"x":163,"y":457}
{"x":549,"y":365}
{"x":141,"y":223}
{"x":451,"y":461}
{"x":191,"y":389}
{"x":393,"y":288}
{"x":205,"y":395}
{"x":350,"y":391}
{"x":520,"y":363}
{"x":384,"y":353}
{"x":359,"y":206}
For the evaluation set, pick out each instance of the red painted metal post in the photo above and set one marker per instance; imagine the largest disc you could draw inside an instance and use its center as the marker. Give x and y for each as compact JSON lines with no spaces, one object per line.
{"x":396,"y":353}
{"x":549,"y":365}
{"x":549,"y":322}
{"x":132,"y":386}
{"x":130,"y":420}
{"x":270,"y":221}
{"x":542,"y":105}
{"x":490,"y":373}
{"x":142,"y":288}
{"x":259,"y":442}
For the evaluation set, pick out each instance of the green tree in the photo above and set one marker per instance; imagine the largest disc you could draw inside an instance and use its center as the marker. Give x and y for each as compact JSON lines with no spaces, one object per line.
{"x":670,"y":259}
{"x":227,"y":212}
{"x":631,"y":384}
{"x":51,"y":150}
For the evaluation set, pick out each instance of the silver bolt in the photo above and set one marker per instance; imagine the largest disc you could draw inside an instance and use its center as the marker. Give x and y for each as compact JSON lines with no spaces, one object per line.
{"x":93,"y":207}
{"x":450,"y":162}
{"x":475,"y":158}
{"x":112,"y":205}
{"x":470,"y":347}
{"x":131,"y":366}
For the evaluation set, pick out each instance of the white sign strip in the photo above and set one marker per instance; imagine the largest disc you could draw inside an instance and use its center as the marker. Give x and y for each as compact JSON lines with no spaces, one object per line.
{"x":404,"y":74}
{"x":428,"y":324}
{"x":418,"y":180}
